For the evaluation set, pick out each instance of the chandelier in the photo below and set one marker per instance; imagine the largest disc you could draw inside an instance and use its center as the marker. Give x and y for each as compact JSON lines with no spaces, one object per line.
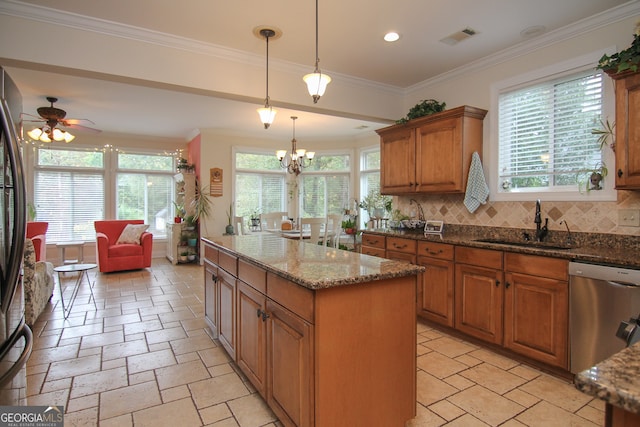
{"x":316,"y":81}
{"x":267,"y":113}
{"x":298,"y":159}
{"x":47,"y":134}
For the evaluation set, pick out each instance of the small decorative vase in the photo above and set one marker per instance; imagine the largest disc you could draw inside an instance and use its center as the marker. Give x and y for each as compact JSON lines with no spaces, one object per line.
{"x":229,"y":229}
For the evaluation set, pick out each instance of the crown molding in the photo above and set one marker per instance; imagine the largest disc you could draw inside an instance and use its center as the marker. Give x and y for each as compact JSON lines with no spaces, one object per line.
{"x":611,"y":16}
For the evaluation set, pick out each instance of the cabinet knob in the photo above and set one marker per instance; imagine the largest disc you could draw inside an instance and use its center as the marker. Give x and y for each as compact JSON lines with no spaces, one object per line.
{"x":265,"y":316}
{"x":214,"y":278}
{"x":507,"y":284}
{"x":497,"y":283}
{"x":620,"y":173}
{"x":259,"y":312}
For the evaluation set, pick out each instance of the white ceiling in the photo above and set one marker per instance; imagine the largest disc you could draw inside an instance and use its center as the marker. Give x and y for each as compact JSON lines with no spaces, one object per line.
{"x":350,"y":45}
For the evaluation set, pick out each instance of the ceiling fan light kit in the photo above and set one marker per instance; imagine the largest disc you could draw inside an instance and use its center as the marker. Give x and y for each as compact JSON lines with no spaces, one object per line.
{"x":53,"y":117}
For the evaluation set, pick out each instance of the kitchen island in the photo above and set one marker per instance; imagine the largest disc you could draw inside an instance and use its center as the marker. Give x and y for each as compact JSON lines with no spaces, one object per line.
{"x":327,"y":337}
{"x":616,"y":380}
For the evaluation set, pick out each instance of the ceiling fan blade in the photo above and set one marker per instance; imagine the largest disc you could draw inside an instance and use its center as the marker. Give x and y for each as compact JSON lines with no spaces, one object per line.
{"x":83,"y":128}
{"x":38,"y":118}
{"x":69,"y":122}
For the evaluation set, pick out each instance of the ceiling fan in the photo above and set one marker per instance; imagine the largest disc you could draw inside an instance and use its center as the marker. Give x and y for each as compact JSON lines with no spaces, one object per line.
{"x":53,"y":118}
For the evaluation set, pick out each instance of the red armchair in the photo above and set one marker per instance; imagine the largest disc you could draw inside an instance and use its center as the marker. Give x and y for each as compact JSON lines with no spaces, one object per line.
{"x":113,"y":256}
{"x":37,"y":232}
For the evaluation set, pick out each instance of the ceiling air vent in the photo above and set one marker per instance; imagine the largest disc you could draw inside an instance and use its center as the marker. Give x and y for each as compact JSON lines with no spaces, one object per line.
{"x":458,"y":36}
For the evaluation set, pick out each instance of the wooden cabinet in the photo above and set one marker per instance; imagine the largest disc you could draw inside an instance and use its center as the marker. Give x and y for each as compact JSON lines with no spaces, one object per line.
{"x":536,"y":308}
{"x":373,"y":244}
{"x":627,"y":87}
{"x":479,"y":293}
{"x":211,"y":292}
{"x":401,"y":249}
{"x":431,"y":154}
{"x":435,"y":286}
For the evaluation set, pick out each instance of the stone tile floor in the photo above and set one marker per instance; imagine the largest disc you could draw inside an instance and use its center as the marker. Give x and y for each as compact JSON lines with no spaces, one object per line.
{"x":145,"y":358}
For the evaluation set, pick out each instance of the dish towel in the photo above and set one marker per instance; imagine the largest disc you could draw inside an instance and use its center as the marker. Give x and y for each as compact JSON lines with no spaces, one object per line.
{"x":477,"y":189}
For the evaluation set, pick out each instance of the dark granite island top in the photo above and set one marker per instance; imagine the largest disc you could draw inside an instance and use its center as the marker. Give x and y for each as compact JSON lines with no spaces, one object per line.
{"x":312,"y":266}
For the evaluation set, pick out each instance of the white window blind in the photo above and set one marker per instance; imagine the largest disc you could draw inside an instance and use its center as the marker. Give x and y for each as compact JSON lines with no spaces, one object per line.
{"x":70,"y":202}
{"x":545,"y":138}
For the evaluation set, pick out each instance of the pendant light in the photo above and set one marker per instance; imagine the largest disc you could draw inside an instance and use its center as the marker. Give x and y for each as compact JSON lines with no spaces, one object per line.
{"x":298,"y":159}
{"x":267,"y":113}
{"x":316,"y":81}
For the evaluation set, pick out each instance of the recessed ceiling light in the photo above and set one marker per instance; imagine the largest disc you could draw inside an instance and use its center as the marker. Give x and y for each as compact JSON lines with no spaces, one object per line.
{"x":391,"y":36}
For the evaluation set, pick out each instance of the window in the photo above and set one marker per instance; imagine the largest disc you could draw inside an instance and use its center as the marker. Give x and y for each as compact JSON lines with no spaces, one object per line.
{"x":369,"y":175}
{"x":545,"y":146}
{"x":69,"y":192}
{"x":144,"y":189}
{"x":324,"y":186}
{"x":72,"y":188}
{"x":260,"y":183}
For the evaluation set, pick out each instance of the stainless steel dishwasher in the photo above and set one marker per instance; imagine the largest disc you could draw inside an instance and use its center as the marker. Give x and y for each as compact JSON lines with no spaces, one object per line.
{"x":600,"y":297}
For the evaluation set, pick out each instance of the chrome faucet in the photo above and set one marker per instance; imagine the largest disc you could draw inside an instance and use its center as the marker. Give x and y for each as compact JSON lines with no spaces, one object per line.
{"x":541,"y":231}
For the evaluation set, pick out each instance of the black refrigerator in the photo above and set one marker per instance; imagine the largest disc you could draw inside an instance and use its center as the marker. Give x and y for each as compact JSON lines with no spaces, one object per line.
{"x":16,"y":339}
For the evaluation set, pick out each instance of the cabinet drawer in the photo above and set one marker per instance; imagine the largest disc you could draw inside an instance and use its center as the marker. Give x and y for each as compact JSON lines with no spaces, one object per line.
{"x":373,"y":241}
{"x":398,"y":244}
{"x":401,"y":256}
{"x":480,"y":257}
{"x":228,"y":262}
{"x":367,"y":250}
{"x":435,"y":250}
{"x":294,"y":297}
{"x":253,"y":276}
{"x":534,"y":265}
{"x":211,"y":253}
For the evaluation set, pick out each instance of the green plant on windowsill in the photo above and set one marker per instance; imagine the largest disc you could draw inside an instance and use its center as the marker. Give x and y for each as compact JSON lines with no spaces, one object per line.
{"x":606,"y":134}
{"x":626,"y":60}
{"x":349,"y":226}
{"x":592,"y":179}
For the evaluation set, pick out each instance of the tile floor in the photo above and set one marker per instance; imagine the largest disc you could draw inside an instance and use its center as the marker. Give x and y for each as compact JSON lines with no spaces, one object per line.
{"x":145,"y":358}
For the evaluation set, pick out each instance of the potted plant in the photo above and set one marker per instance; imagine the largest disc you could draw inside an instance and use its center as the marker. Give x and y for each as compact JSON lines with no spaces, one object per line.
{"x":349,"y":226}
{"x":184,"y":256}
{"x":254,"y":217}
{"x":423,"y":108}
{"x":625,"y":61}
{"x":376,"y":204}
{"x":179,"y":214}
{"x":606,"y":132}
{"x":592,"y":179}
{"x":229,"y":228}
{"x":201,"y":204}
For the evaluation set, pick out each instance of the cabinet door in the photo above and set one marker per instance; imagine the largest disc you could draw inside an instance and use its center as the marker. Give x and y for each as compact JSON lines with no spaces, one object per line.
{"x":398,"y":158}
{"x":290,"y":366}
{"x":251,"y":350}
{"x":435,"y":291}
{"x":628,"y":132}
{"x":479,"y":302}
{"x":535,"y":317}
{"x":227,"y":312}
{"x":439,"y":156}
{"x":211,"y":297}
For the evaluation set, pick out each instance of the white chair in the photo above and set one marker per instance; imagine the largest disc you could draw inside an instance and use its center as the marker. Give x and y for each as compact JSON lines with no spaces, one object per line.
{"x":312,"y":226}
{"x":272,"y":220}
{"x":332,"y":230}
{"x":238,"y":224}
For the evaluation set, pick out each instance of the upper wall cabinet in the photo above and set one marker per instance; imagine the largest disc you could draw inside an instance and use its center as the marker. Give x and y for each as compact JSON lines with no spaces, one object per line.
{"x":430,"y":154}
{"x":627,"y":131}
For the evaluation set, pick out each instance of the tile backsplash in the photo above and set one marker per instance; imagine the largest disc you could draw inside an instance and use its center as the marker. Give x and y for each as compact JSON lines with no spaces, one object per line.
{"x":588,"y":217}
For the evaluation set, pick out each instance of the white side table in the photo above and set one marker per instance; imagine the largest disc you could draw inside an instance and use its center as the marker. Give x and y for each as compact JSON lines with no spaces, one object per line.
{"x":63,"y":246}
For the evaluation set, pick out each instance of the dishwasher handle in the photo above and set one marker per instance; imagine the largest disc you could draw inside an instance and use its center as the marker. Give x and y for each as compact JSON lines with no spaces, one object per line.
{"x":622,"y":284}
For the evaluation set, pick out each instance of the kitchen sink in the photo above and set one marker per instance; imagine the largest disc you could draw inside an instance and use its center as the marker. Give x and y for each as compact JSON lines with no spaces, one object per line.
{"x":528,"y":244}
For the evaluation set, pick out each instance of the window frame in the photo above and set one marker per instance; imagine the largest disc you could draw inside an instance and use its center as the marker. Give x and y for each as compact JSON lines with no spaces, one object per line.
{"x":533,"y":77}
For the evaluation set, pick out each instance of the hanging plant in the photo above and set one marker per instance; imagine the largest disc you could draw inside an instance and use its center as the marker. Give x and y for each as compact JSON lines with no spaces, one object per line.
{"x":423,"y":108}
{"x":606,"y":134}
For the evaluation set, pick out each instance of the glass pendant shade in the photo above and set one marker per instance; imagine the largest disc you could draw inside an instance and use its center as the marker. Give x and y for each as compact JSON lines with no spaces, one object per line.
{"x":45,"y":134}
{"x":35,"y":133}
{"x":316,"y":84}
{"x":267,"y":114}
